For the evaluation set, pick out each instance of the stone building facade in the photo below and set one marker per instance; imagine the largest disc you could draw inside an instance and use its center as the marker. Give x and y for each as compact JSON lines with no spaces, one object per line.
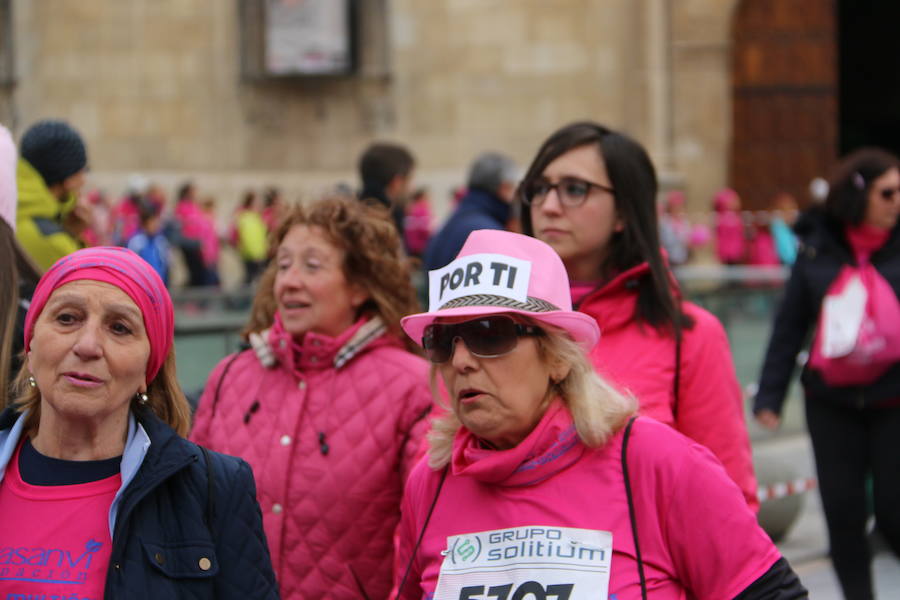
{"x":156,"y":86}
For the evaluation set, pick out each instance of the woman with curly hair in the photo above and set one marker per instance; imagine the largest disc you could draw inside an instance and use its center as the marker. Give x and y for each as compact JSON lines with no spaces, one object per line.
{"x":328,"y":407}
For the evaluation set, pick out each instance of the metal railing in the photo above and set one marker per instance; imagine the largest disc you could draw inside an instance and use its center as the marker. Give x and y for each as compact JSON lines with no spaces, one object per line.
{"x":744,"y":298}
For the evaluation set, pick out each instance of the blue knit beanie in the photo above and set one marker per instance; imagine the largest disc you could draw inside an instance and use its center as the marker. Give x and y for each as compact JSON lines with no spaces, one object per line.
{"x":54,"y":149}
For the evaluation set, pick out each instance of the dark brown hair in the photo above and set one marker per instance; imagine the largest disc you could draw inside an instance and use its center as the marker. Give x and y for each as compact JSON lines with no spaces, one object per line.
{"x":9,"y":304}
{"x":633,"y":178}
{"x":381,"y":162}
{"x":15,"y":267}
{"x":848,"y":191}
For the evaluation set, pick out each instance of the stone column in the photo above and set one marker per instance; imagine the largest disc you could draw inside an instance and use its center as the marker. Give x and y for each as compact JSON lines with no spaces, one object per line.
{"x":660,"y":100}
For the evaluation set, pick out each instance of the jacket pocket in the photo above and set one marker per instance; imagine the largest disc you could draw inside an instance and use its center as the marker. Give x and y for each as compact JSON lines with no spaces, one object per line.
{"x":183,"y":560}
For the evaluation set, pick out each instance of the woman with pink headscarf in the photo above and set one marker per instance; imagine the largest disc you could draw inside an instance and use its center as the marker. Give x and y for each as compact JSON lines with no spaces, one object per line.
{"x":100,"y":494}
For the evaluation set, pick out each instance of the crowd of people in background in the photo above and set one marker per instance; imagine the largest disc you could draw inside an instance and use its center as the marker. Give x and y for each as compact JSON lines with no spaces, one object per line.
{"x":144,"y":221}
{"x":56,"y":215}
{"x":331,"y":397}
{"x":188,"y":224}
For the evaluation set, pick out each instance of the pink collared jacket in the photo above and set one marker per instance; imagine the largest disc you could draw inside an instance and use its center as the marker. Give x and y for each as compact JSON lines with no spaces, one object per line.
{"x":331,"y":431}
{"x":640,"y":360}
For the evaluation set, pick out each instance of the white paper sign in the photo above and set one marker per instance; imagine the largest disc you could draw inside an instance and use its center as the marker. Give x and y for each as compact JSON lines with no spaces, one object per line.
{"x":842,"y":317}
{"x":494,"y":274}
{"x":549,"y":563}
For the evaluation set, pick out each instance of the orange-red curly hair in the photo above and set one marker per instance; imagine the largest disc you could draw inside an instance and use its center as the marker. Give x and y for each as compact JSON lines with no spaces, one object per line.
{"x":373,"y":259}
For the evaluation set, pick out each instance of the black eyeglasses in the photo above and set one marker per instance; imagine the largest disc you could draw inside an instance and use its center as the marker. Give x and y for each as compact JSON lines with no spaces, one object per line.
{"x":889,"y":193}
{"x":487,"y":337}
{"x":571,"y":191}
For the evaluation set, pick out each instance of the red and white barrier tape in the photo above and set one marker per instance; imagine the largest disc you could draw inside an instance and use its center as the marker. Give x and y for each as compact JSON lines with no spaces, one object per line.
{"x":783,"y":489}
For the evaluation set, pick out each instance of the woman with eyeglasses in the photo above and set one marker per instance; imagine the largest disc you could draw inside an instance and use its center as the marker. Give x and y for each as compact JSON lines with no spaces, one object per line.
{"x":540,"y":481}
{"x":590,"y":193}
{"x":853,"y":415}
{"x":329,"y":407}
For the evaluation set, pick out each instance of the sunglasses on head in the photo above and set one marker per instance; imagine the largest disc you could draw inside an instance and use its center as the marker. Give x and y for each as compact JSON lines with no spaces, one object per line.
{"x":487,"y":337}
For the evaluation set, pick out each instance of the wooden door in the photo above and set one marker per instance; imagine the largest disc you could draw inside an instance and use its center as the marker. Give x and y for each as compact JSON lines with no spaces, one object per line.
{"x":784,"y":110}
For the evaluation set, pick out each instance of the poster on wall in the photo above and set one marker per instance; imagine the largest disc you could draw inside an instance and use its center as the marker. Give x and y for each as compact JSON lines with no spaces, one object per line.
{"x":308,"y":37}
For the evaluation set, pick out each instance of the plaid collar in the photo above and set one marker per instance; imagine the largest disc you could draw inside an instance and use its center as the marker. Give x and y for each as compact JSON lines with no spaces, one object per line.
{"x":365,"y":335}
{"x":269,"y":356}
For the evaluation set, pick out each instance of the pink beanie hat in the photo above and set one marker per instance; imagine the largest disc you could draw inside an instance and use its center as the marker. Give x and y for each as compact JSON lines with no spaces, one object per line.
{"x":127,"y":271}
{"x":8,"y":157}
{"x":504,"y":272}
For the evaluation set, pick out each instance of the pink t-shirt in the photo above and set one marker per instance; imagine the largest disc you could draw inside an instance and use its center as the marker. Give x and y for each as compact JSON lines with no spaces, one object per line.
{"x":54,"y":540}
{"x":696,"y":532}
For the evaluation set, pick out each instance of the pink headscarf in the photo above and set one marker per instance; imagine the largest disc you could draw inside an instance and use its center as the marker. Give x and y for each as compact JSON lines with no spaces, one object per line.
{"x":127,"y":271}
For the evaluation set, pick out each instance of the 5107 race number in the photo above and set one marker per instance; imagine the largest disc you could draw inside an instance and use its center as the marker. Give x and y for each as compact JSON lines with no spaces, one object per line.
{"x":530,"y":590}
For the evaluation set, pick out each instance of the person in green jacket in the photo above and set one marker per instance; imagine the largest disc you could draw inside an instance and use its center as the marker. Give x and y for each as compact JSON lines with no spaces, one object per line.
{"x":49,"y":175}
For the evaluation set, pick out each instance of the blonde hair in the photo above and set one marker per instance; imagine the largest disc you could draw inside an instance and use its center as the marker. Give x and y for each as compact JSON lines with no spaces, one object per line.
{"x":373,"y":259}
{"x":166,"y":399}
{"x":597,"y":409}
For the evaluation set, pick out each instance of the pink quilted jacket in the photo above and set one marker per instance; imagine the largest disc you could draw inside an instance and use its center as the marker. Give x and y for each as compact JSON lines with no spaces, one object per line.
{"x":330,"y":443}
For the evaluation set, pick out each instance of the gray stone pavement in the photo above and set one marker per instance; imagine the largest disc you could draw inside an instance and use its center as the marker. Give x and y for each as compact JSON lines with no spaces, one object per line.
{"x":806,"y":543}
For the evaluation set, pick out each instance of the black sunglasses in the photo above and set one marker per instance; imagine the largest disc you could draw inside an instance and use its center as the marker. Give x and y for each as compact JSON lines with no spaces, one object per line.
{"x":487,"y":337}
{"x":889,"y":193}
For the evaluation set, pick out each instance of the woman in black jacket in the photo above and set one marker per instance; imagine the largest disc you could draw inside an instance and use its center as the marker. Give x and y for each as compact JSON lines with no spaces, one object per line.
{"x":854,"y":428}
{"x":100,"y":494}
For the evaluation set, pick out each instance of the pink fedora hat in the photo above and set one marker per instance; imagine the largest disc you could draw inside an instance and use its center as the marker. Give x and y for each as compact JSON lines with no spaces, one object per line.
{"x":504,"y":272}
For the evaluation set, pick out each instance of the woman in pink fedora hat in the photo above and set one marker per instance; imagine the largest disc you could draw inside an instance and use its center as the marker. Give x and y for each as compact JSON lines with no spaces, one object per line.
{"x":590,"y":193}
{"x":540,"y":481}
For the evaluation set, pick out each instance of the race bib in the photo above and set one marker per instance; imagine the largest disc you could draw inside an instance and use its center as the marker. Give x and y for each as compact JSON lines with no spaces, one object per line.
{"x":526,"y":563}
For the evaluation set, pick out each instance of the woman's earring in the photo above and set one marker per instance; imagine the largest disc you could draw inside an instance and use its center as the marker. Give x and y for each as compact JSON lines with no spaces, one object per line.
{"x":143,"y":399}
{"x":32,"y":382}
